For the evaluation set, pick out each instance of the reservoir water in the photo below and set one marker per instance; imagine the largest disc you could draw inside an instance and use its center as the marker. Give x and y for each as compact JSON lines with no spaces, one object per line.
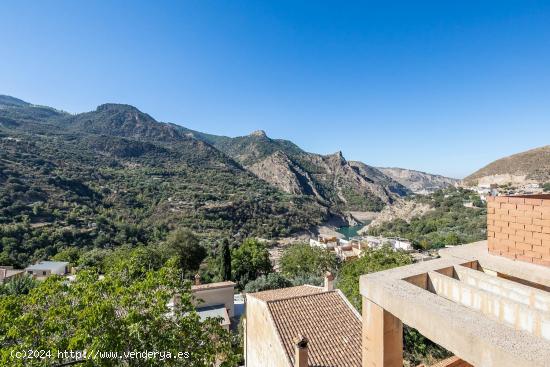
{"x":351,"y":231}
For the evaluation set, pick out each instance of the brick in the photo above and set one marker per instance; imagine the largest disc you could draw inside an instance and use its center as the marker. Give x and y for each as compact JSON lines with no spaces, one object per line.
{"x":502,"y":224}
{"x":516,"y":238}
{"x":533,"y":228}
{"x":524,"y":233}
{"x":539,"y":250}
{"x":492,"y":204}
{"x":508,"y":230}
{"x":516,"y":200}
{"x":517,"y":226}
{"x":508,"y":206}
{"x":525,"y":207}
{"x":501,"y":199}
{"x":545,"y":210}
{"x":532,"y":214}
{"x":534,"y":241}
{"x":502,"y":236}
{"x":516,"y":251}
{"x":490,"y":210}
{"x":524,"y":220}
{"x":501,"y":211}
{"x":545,"y":202}
{"x":546,"y":243}
{"x":542,"y":222}
{"x":516,"y":213}
{"x":541,"y":262}
{"x":524,"y":246}
{"x":533,"y":202}
{"x":545,"y":229}
{"x":524,"y":258}
{"x":533,"y":254}
{"x":490,"y":199}
{"x":542,"y":236}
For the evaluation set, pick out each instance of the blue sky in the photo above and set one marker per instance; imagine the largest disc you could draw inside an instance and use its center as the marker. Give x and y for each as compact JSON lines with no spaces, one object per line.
{"x":442,"y":86}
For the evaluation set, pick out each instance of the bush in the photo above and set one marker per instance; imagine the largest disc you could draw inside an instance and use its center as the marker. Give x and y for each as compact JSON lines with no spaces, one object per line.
{"x":303,"y":260}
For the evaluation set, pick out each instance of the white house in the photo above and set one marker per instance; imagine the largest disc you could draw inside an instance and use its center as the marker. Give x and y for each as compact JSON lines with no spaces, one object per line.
{"x":47,"y":268}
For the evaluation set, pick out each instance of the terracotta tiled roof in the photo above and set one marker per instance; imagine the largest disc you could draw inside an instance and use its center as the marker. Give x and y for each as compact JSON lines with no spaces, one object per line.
{"x":326,"y":319}
{"x":282,"y":293}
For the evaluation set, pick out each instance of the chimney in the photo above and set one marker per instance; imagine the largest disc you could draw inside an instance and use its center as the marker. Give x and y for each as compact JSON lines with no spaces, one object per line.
{"x":329,"y":281}
{"x":197,"y":279}
{"x":300,"y":351}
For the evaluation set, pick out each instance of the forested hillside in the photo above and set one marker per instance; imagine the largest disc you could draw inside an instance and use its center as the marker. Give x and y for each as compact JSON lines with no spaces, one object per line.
{"x":64,"y":183}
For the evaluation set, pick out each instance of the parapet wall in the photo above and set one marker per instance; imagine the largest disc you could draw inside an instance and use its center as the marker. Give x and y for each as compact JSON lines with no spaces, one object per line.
{"x":518,"y":227}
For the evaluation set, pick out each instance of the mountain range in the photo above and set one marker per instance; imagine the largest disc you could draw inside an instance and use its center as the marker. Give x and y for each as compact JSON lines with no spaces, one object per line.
{"x":120,"y":143}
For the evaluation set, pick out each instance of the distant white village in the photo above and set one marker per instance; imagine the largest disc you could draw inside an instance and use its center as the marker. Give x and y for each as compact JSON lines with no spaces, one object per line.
{"x":353,"y":248}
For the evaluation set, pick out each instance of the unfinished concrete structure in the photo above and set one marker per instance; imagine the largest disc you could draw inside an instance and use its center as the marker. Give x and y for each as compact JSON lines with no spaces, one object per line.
{"x":487,"y":309}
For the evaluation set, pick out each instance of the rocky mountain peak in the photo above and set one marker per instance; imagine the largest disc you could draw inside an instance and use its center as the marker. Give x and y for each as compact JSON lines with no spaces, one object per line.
{"x":258,"y":133}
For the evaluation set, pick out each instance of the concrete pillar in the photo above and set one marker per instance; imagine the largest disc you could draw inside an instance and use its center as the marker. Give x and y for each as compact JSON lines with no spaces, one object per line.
{"x":382,"y":337}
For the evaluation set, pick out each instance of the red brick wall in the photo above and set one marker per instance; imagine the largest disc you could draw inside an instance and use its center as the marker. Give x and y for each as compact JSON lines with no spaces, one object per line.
{"x":518,"y":227}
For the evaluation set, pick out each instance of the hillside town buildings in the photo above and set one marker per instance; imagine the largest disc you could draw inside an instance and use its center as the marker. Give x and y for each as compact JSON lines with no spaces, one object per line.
{"x":351,"y":249}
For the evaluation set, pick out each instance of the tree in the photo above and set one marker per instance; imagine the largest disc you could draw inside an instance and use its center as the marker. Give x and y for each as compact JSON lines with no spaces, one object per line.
{"x":18,"y":285}
{"x":546,"y":187}
{"x":185,"y":246}
{"x":117,"y":314}
{"x":249,"y":261}
{"x":225,"y":268}
{"x":267,"y":282}
{"x":304,"y":260}
{"x":373,"y":260}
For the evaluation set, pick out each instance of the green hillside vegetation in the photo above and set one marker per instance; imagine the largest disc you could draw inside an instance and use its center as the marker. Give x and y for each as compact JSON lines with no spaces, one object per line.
{"x":451,"y":223}
{"x":83,"y":190}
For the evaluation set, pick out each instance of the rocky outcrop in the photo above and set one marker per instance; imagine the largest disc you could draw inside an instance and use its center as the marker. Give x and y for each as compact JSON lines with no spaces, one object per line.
{"x":401,"y":209}
{"x":419,"y":182}
{"x":279,"y":170}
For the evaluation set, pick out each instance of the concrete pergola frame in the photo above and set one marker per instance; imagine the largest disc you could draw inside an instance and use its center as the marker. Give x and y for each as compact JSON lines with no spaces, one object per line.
{"x":464,"y":303}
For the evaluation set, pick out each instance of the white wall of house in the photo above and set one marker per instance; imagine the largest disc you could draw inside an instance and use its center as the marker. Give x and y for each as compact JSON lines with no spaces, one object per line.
{"x":262,"y":345}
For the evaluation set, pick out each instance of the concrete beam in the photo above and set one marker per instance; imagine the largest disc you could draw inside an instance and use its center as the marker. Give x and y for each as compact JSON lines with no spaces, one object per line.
{"x":496,"y":307}
{"x":467,"y":333}
{"x":514,"y":291}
